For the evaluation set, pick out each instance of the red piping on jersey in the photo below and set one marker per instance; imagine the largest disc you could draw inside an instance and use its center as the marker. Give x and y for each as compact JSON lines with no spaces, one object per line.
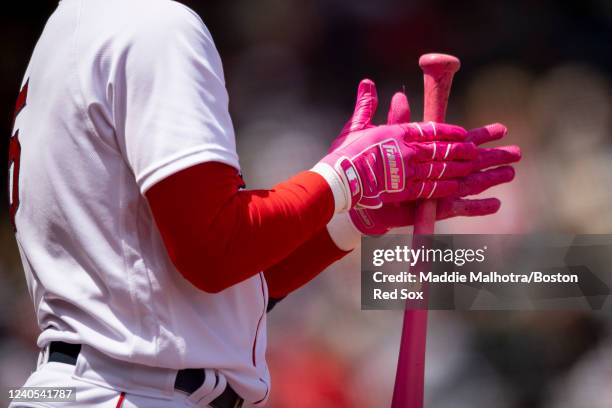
{"x":266,"y":394}
{"x":263,"y":312}
{"x":120,"y":401}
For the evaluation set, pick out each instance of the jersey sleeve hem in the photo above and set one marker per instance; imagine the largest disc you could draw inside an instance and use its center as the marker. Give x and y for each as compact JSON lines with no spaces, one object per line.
{"x":181,"y":161}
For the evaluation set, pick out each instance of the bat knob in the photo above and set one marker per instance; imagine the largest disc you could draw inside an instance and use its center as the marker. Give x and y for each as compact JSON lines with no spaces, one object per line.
{"x":438,"y":70}
{"x":437,"y":64}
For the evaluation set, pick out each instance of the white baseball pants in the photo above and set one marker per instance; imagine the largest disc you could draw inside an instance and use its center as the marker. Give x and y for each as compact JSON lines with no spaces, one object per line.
{"x":95,"y":394}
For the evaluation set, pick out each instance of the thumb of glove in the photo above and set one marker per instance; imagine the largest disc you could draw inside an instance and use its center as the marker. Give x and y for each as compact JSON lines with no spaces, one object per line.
{"x":365,"y":108}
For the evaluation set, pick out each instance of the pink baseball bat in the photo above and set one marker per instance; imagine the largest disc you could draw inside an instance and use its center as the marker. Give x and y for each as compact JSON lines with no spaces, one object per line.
{"x":409,"y":390}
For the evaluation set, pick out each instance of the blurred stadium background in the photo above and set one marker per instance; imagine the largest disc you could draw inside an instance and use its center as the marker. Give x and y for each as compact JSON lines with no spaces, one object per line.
{"x":543,"y":68}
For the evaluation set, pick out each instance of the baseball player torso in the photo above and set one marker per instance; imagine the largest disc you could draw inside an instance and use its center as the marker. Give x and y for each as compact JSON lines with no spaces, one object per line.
{"x":118,"y":95}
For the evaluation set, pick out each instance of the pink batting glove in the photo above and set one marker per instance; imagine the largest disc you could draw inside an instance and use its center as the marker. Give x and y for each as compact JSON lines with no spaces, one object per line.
{"x":392,"y":215}
{"x":398,"y":162}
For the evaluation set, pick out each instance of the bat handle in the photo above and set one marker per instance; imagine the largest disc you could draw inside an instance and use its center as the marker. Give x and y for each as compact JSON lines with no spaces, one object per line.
{"x":438,"y":70}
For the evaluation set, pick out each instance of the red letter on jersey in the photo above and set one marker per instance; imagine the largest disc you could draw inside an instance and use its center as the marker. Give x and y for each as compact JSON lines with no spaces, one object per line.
{"x":13,"y":159}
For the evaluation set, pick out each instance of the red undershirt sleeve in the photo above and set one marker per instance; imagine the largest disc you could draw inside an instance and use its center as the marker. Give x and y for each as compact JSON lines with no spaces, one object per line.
{"x":302,"y":265}
{"x":217,"y":235}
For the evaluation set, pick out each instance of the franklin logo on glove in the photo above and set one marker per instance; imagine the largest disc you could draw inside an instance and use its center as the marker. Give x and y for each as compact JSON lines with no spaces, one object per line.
{"x":395,"y":175}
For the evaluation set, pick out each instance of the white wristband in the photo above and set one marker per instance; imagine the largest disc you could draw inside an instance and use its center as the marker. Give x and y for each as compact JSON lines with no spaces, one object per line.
{"x":339,"y":190}
{"x":343,"y":232}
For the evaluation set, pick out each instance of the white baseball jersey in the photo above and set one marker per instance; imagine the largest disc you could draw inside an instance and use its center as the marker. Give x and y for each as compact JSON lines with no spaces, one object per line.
{"x":118,"y":95}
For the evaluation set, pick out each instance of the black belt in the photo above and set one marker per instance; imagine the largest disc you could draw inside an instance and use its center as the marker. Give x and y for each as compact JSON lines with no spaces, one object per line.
{"x":188,"y":380}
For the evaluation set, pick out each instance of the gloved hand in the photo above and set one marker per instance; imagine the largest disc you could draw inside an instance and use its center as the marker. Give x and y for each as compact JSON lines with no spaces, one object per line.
{"x":398,"y":162}
{"x":399,"y":214}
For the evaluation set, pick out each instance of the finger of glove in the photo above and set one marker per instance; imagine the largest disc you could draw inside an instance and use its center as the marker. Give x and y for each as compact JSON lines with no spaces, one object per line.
{"x":431,"y":131}
{"x":366,"y":221}
{"x":457,"y":207}
{"x":394,"y":215}
{"x":486,"y":133}
{"x":478,"y":182}
{"x":399,"y":109}
{"x":379,"y":221}
{"x":365,"y":109}
{"x":442,"y":170}
{"x":424,"y":190}
{"x":496,"y":156}
{"x":444,"y":151}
